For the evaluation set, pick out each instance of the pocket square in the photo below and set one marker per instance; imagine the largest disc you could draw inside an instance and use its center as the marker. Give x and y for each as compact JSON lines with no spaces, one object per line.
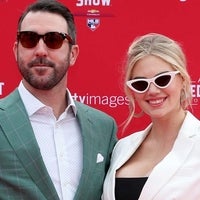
{"x":100,"y":158}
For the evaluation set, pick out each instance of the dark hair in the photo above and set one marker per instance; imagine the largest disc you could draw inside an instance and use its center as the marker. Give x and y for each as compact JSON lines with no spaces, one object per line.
{"x":52,"y":6}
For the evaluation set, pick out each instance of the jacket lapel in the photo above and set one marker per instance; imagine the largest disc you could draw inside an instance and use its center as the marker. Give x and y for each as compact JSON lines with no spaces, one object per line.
{"x":173,"y":161}
{"x":88,"y":150}
{"x":19,"y":133}
{"x":133,"y":141}
{"x":166,"y":169}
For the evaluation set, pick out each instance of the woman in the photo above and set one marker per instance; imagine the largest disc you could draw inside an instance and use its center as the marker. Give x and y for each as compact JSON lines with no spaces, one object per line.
{"x":161,"y":162}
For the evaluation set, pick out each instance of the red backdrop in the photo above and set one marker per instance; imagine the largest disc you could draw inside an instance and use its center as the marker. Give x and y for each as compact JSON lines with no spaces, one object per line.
{"x":105,"y":30}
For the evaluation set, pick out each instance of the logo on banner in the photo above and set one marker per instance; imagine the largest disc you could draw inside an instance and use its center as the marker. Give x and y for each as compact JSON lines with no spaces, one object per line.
{"x":93,"y":20}
{"x":95,"y":10}
{"x":195,"y":86}
{"x":93,"y":23}
{"x":93,"y":3}
{"x":1,"y":87}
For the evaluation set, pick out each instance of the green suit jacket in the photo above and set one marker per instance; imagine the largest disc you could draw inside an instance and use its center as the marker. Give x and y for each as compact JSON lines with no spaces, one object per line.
{"x":23,"y":175}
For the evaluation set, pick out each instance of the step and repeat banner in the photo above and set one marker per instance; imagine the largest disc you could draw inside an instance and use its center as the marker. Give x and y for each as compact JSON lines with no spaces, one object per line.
{"x":105,"y":28}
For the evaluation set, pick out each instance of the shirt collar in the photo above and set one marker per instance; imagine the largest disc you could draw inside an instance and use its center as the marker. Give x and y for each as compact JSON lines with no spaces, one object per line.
{"x":36,"y":104}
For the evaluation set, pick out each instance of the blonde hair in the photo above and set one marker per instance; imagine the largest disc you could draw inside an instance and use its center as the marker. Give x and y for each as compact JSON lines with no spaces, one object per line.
{"x":164,"y":48}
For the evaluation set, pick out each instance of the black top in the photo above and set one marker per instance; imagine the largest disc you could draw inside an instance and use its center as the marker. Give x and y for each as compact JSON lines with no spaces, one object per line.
{"x":129,"y":188}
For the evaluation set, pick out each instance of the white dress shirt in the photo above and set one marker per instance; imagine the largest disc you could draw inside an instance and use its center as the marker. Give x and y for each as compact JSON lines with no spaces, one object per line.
{"x":59,"y":140}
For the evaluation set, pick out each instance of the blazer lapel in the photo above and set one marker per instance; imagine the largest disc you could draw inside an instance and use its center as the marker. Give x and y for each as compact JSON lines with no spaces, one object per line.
{"x":132,"y":142}
{"x":163,"y":172}
{"x":88,"y":150}
{"x":166,"y":169}
{"x":19,"y":133}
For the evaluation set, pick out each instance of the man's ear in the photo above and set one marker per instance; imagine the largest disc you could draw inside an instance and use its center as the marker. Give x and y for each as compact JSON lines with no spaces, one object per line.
{"x":74,"y":54}
{"x":15,"y":50}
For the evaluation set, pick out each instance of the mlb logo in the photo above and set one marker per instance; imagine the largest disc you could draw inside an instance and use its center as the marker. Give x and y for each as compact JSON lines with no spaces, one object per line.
{"x":93,"y":23}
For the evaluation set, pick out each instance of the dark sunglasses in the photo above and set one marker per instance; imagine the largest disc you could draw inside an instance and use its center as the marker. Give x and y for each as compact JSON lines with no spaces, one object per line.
{"x":53,"y":40}
{"x":141,"y":85}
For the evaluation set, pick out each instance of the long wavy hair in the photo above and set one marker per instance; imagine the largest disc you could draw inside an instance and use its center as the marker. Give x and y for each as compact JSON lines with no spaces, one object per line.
{"x":168,"y":50}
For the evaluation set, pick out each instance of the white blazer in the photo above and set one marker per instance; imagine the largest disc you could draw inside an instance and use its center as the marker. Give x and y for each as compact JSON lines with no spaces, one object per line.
{"x":176,"y":177}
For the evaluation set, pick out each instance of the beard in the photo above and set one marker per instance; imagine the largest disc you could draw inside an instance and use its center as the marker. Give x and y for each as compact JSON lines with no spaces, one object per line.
{"x":38,"y":77}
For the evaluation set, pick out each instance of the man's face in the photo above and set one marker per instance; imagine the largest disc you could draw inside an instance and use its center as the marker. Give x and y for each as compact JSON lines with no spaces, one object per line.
{"x":43,"y":67}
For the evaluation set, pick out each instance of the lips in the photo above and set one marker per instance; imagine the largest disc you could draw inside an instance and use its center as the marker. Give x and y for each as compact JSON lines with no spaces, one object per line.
{"x":41,"y":62}
{"x":40,"y":66}
{"x":41,"y":69}
{"x":156,"y":102}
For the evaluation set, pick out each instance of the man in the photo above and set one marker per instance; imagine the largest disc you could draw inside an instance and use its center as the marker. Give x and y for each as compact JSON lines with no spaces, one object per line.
{"x":51,"y":147}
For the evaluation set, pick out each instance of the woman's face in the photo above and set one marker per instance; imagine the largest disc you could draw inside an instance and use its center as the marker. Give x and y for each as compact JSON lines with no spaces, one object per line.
{"x":157,"y":102}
